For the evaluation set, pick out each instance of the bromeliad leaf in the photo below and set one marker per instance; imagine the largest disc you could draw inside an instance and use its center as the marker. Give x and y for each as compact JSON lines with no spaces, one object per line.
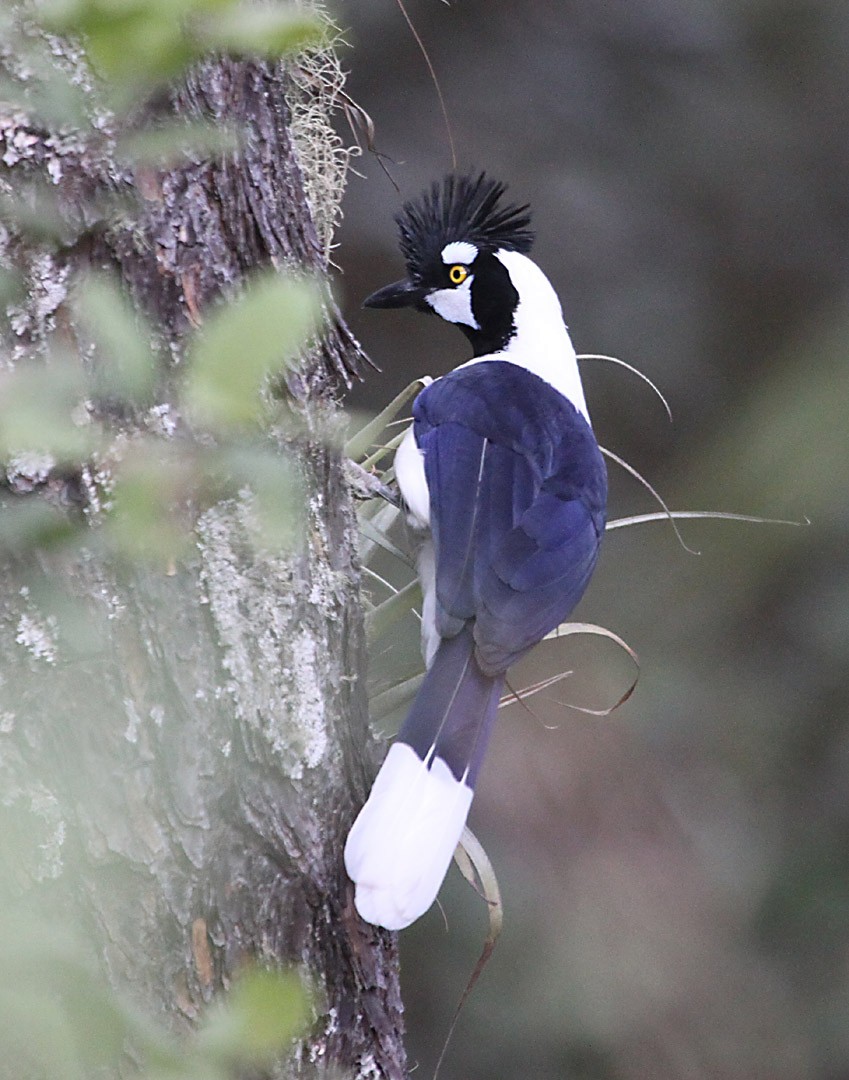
{"x":365,"y":439}
{"x":380,"y":618}
{"x":567,"y":629}
{"x":395,"y":697}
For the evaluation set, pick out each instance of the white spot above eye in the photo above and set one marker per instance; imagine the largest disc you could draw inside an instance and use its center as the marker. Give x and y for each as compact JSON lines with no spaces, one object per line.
{"x":459,"y":251}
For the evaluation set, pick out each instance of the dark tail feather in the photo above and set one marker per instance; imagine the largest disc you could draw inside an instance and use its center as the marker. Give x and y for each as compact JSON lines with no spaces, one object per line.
{"x":454,"y":711}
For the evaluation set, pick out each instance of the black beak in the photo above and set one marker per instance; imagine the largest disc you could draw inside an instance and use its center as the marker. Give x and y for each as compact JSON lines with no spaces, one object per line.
{"x":397,"y":295}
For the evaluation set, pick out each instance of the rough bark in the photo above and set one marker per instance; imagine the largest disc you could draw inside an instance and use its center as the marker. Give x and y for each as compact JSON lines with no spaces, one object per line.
{"x":189,"y":744}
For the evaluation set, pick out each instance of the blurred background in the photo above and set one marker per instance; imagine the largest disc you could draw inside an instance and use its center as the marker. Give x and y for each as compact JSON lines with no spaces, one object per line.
{"x":675,"y":876}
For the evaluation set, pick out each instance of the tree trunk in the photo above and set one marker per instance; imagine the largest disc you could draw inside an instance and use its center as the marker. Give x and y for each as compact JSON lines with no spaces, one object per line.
{"x":189,"y":743}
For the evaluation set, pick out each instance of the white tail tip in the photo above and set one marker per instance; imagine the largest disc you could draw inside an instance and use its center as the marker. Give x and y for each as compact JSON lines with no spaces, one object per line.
{"x":400,"y":847}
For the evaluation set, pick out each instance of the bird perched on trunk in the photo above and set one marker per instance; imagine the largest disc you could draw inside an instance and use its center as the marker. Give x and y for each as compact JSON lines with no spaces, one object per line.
{"x":503,"y":475}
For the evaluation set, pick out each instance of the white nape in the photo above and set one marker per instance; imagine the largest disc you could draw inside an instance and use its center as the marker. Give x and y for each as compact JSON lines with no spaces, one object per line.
{"x":541,"y":343}
{"x":401,"y":845}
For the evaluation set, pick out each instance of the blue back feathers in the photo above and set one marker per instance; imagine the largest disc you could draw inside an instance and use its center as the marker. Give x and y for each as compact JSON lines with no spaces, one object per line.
{"x":518,"y":493}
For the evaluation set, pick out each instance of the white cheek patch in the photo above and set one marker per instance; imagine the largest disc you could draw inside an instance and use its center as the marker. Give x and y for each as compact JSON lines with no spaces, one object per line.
{"x":454,"y":305}
{"x":459,"y":251}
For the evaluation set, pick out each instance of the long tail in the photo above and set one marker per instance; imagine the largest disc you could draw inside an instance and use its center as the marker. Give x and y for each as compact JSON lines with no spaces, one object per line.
{"x":400,"y":847}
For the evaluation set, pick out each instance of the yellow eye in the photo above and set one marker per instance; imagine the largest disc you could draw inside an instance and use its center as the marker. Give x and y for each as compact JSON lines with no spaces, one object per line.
{"x":458,"y":274}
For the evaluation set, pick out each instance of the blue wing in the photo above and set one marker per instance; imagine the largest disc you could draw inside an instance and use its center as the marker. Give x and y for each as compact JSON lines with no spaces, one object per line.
{"x":518,"y":490}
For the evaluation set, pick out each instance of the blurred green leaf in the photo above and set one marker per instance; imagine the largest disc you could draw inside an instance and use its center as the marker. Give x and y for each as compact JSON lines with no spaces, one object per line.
{"x":244,"y":342}
{"x":34,"y":210}
{"x":148,"y":515}
{"x":27,"y":942}
{"x":137,"y":44}
{"x":263,"y":30}
{"x":38,"y":405}
{"x":12,"y":288}
{"x":50,"y":99}
{"x":261,"y":1014}
{"x":160,"y":488}
{"x":38,"y":87}
{"x":99,"y":1022}
{"x":167,"y":145}
{"x":127,"y":41}
{"x":60,"y":1019}
{"x":276,"y":489}
{"x":38,"y":1038}
{"x":32,"y":523}
{"x":128,"y":366}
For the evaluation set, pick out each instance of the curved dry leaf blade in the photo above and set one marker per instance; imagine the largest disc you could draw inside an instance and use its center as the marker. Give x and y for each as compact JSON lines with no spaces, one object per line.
{"x":641,"y":519}
{"x":519,"y":697}
{"x":476,"y":868}
{"x":634,"y":371}
{"x":569,"y":629}
{"x":638,"y":476}
{"x":603,"y":712}
{"x":359,"y":120}
{"x":380,"y":580}
{"x":434,"y":80}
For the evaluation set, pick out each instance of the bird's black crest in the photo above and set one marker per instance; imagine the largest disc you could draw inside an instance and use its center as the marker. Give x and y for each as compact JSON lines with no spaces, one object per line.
{"x":460,"y":208}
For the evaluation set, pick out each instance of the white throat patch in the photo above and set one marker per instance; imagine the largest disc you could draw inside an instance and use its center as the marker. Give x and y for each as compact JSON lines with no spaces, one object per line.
{"x":454,"y":305}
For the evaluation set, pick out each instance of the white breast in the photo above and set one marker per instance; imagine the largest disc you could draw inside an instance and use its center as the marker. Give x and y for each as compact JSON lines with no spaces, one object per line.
{"x":410,"y":474}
